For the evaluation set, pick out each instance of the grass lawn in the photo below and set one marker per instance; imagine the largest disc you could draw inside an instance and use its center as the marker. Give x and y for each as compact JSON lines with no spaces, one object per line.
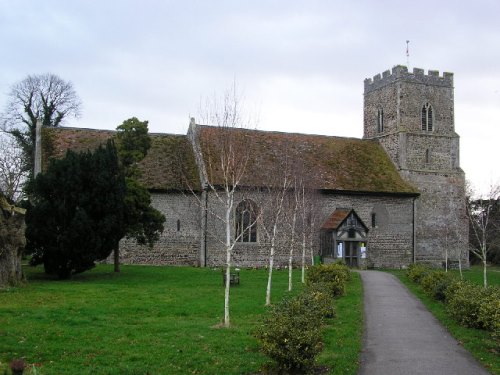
{"x":154,"y":320}
{"x":475,"y":274}
{"x":478,"y":342}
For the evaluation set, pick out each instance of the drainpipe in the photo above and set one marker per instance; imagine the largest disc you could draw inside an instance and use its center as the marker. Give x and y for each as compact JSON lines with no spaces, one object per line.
{"x":414,"y":230}
{"x":205,"y":224}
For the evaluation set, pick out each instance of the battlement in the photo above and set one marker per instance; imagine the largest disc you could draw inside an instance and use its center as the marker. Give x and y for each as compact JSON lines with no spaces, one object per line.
{"x":400,"y":72}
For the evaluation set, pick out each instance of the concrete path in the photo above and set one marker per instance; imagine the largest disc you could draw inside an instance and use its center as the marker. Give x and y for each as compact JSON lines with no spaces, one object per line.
{"x":403,"y":337}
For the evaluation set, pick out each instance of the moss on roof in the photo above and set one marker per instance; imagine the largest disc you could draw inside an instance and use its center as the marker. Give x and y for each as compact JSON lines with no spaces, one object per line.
{"x":169,"y":164}
{"x":331,"y":163}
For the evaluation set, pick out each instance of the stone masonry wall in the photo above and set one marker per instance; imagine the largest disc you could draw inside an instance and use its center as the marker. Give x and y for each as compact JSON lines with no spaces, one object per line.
{"x":389,"y":242}
{"x":180,"y":241}
{"x":427,"y":159}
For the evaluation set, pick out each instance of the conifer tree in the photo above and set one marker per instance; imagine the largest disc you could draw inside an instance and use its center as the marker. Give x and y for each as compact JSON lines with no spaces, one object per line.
{"x":78,"y":212}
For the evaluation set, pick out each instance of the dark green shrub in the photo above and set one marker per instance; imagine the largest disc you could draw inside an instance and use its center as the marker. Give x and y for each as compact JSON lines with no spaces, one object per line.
{"x":334,"y":275}
{"x":489,"y":311}
{"x":290,"y":334}
{"x":318,"y":297}
{"x":435,"y":284}
{"x":417,"y":271}
{"x":472,"y":305}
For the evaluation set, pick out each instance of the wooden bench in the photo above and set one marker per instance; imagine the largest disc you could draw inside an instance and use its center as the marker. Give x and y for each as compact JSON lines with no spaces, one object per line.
{"x":234,"y":277}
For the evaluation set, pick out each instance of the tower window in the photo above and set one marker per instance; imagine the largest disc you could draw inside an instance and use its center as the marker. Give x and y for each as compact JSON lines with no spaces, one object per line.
{"x":374,"y":220}
{"x":380,"y":120}
{"x":427,"y":156}
{"x":178,"y":225}
{"x":427,"y":117}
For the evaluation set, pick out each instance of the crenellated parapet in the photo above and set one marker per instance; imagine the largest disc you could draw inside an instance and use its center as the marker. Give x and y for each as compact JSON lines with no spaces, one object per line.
{"x":400,"y":72}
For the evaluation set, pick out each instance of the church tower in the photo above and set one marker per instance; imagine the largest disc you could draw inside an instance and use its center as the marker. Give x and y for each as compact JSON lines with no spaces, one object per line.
{"x":412,"y":116}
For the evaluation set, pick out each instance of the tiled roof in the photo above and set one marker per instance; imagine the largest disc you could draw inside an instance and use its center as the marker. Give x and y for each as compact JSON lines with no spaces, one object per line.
{"x":331,"y":163}
{"x":336,"y":218}
{"x":169,"y":164}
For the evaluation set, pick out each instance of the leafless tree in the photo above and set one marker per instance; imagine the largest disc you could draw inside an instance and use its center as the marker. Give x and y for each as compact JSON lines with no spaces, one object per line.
{"x":273,"y":220}
{"x":44,"y":97}
{"x":309,"y":219}
{"x":226,"y":156}
{"x":293,"y":207}
{"x":12,"y":175}
{"x":479,"y":212}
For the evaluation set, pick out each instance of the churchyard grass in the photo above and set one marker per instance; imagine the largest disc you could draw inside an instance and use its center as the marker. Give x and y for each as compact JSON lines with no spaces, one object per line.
{"x":478,"y":342}
{"x":153,"y":320}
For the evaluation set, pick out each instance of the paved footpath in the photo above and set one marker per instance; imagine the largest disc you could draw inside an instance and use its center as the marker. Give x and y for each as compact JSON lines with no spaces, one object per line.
{"x":403,"y":337}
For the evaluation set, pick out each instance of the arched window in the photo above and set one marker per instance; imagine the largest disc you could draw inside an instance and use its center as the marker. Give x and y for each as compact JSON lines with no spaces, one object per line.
{"x":380,"y":120}
{"x":427,"y":117}
{"x":246,"y":221}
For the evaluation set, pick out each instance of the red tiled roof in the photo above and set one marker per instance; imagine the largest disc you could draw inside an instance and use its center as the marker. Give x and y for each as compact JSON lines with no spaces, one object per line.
{"x":335,"y":219}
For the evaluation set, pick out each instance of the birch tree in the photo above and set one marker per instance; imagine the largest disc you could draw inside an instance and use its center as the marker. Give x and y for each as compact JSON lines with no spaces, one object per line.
{"x":276,"y":192}
{"x":226,"y":156}
{"x":308,"y":209}
{"x":293,"y":210}
{"x":479,"y":212}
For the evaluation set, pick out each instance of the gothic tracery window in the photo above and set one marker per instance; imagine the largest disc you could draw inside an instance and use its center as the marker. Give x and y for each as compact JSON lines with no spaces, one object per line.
{"x":246,"y":221}
{"x":427,"y":117}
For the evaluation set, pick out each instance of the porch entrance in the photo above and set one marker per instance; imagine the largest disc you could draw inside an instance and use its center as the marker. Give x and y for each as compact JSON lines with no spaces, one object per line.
{"x":351,"y":253}
{"x":344,"y":236}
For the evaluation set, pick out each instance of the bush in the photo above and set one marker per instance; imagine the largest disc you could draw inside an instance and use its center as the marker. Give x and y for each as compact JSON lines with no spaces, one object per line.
{"x":290,"y":334}
{"x":334,"y":276}
{"x":472,"y":305}
{"x":435,"y":284}
{"x":417,"y":271}
{"x":317,"y":296}
{"x":489,"y":311}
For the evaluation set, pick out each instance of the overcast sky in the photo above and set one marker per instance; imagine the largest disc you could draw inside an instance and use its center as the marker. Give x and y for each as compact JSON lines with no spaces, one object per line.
{"x":299,"y":65}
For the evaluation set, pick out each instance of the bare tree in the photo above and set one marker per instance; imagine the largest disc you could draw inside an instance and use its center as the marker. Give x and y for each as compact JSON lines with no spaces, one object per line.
{"x":479,"y":212}
{"x":12,"y":175}
{"x":308,"y":210}
{"x":273,"y":207}
{"x":225,"y":157}
{"x":293,"y":211}
{"x":44,"y":97}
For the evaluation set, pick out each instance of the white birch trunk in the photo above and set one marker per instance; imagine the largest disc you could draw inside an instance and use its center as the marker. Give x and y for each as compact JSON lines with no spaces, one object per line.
{"x":270,"y":276}
{"x":311,"y":250}
{"x":485,"y":279}
{"x":303,"y":258}
{"x":229,"y":205}
{"x":290,"y":259}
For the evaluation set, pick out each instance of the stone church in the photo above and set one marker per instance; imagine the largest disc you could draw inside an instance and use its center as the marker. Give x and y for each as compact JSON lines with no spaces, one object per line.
{"x":393,"y":198}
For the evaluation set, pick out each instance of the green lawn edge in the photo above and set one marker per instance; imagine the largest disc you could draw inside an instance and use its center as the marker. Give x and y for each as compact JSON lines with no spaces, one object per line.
{"x":343,"y":336}
{"x":478,"y":342}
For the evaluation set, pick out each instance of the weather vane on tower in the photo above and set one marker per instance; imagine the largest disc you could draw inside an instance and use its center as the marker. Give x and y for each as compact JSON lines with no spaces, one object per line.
{"x":408,"y":54}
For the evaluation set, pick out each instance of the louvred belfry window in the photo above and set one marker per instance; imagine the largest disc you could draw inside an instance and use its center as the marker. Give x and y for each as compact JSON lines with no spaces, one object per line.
{"x":427,"y":117}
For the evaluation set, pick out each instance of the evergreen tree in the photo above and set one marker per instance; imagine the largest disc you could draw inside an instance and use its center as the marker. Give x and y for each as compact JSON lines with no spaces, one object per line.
{"x":141,"y":221}
{"x":78,"y":216}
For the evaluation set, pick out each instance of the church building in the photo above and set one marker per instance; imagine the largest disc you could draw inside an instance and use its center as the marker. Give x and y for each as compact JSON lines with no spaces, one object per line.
{"x":392,"y":198}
